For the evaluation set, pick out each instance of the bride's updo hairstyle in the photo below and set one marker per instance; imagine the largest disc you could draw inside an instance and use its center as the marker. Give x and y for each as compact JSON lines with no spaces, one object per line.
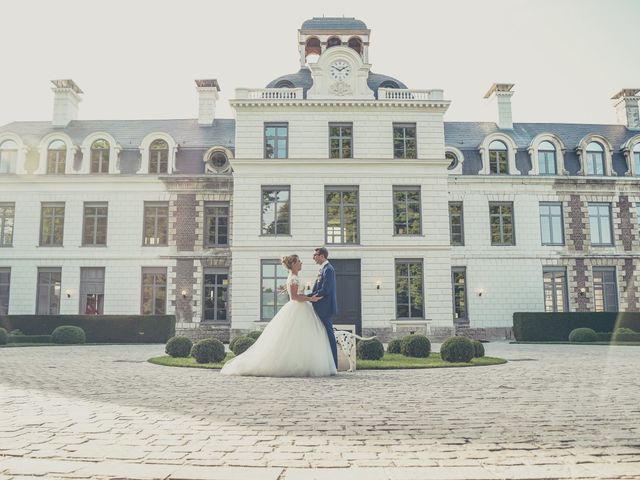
{"x":289,"y":260}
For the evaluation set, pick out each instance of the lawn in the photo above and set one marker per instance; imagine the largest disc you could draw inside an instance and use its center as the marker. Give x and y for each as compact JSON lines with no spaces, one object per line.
{"x":390,"y":361}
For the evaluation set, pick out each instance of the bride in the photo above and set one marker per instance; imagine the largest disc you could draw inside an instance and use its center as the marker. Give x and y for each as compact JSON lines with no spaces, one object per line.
{"x":293,"y":344}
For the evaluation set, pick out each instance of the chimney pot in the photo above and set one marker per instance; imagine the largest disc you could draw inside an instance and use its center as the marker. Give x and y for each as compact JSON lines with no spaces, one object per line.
{"x":626,"y":105}
{"x":501,"y":93}
{"x":66,"y":100}
{"x":207,"y":96}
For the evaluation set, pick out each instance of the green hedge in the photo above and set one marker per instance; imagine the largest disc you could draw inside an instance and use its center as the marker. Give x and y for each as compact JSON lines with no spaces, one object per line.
{"x":99,"y":328}
{"x":30,"y":339}
{"x":556,"y":326}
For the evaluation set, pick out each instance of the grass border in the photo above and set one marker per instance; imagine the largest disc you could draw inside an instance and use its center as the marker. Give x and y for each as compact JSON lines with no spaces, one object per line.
{"x":624,"y":344}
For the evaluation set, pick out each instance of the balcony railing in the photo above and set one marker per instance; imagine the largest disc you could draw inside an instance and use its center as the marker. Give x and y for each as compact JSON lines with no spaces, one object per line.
{"x":406,"y":94}
{"x":269,"y":93}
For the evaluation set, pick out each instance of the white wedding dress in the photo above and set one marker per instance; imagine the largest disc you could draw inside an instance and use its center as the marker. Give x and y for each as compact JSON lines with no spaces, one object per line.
{"x":293,"y":344}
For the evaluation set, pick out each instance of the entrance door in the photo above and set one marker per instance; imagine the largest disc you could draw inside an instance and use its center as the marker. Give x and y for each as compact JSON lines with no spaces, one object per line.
{"x":348,"y":293}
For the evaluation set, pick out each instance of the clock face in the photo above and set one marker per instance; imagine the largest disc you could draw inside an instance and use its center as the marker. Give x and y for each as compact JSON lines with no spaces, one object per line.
{"x":340,"y":70}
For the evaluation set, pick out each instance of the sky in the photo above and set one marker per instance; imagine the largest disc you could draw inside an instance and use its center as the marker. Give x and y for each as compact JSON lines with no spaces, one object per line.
{"x":138,"y":59}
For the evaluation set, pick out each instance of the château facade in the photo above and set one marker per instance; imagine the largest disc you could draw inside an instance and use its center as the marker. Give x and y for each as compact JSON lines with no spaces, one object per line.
{"x":432,"y":226}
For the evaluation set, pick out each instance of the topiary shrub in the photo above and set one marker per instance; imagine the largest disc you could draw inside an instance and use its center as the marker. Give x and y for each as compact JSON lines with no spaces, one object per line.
{"x":4,"y":336}
{"x":403,"y":344}
{"x":478,"y":348}
{"x":370,"y":349}
{"x":625,"y":335}
{"x":603,"y":336}
{"x":582,"y":335}
{"x":68,"y":335}
{"x":417,"y":346}
{"x":457,"y":349}
{"x":16,"y":332}
{"x":209,"y":350}
{"x":394,"y":346}
{"x":255,"y":334}
{"x":178,"y":347}
{"x":233,"y":341}
{"x":242,"y":344}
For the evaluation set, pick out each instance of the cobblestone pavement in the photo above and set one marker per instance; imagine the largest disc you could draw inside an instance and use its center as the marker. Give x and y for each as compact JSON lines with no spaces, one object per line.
{"x":103,"y":412}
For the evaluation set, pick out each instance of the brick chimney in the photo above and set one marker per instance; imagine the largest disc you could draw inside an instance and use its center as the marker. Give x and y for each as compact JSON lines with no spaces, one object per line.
{"x":626,"y":103}
{"x":208,"y":95}
{"x":501,"y":93}
{"x":66,"y":99}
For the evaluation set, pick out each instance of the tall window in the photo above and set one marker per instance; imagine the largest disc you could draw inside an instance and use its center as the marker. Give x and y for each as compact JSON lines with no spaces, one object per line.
{"x":501,"y":223}
{"x":274,"y":283}
{"x":52,"y":224}
{"x":215,"y":296}
{"x":498,"y":161}
{"x":7,"y":219}
{"x":56,"y":157}
{"x":605,"y":291}
{"x":276,"y":210}
{"x":8,"y":156}
{"x":154,"y":291}
{"x":409,"y":289}
{"x":91,"y":291}
{"x":547,"y":158}
{"x":49,"y":281}
{"x":276,"y":140}
{"x":5,"y":287}
{"x":555,"y":289}
{"x":404,"y":140}
{"x":406,"y":211}
{"x":100,"y":156}
{"x":600,"y":224}
{"x":551,"y":230}
{"x":341,"y":140}
{"x":156,"y":223}
{"x":456,"y":223}
{"x":636,"y":159}
{"x":341,"y":205}
{"x":158,"y":157}
{"x":595,"y":159}
{"x":216,"y":217}
{"x":95,"y":224}
{"x":459,"y":285}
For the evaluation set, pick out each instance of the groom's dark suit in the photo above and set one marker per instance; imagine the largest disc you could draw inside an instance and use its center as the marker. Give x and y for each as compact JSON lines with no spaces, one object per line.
{"x":327,"y":307}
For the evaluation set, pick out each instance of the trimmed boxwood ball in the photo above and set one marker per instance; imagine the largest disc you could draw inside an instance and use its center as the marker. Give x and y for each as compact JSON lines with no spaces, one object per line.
{"x":478,"y":348}
{"x":582,"y":335}
{"x":394,"y":346}
{"x":16,"y":332}
{"x":457,"y":349}
{"x":403,"y":344}
{"x":242,"y":344}
{"x":178,"y":347}
{"x":68,"y":335}
{"x":209,"y":350}
{"x":4,"y":336}
{"x":234,"y":340}
{"x":370,"y":349}
{"x":255,"y":334}
{"x":417,"y":346}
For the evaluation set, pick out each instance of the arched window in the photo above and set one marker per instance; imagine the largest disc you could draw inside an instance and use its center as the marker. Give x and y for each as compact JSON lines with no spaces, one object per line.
{"x":56,"y":157}
{"x":453,"y":159}
{"x":8,"y":156}
{"x":356,"y":44}
{"x":285,"y":84}
{"x":547,"y":158}
{"x":498,"y":157}
{"x":334,"y":42}
{"x":312,"y":47}
{"x":636,"y":159}
{"x":159,"y":157}
{"x":100,"y":156}
{"x":595,"y":159}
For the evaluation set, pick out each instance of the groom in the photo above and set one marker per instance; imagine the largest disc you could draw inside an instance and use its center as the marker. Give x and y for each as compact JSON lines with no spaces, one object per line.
{"x":325,"y":287}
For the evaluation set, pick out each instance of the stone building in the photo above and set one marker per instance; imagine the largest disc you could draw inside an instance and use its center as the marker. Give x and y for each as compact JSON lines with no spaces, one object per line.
{"x":432,"y":226}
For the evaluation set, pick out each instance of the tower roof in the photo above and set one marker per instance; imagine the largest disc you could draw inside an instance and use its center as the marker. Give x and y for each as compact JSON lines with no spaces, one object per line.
{"x":334,"y":24}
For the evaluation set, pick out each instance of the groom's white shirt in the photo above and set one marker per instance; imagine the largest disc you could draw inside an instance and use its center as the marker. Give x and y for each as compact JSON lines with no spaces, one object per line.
{"x":323,"y":265}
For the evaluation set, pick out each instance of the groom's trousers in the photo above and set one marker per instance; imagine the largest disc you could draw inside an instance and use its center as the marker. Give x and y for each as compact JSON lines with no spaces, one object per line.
{"x":328,"y":325}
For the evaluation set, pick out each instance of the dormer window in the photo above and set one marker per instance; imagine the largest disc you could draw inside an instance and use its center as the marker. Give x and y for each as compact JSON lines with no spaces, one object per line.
{"x":100,"y":156}
{"x":216,"y":160}
{"x":334,"y":42}
{"x":158,"y":157}
{"x":285,"y":84}
{"x":595,"y":159}
{"x":8,"y":156}
{"x":356,"y":44}
{"x":56,"y":157}
{"x":453,"y":160}
{"x":498,"y":158}
{"x":636,"y":159}
{"x":547,"y":158}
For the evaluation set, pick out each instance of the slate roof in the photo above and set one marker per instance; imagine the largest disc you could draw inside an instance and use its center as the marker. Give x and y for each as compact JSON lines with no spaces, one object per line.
{"x":334,"y":23}
{"x":464,"y":135}
{"x":130,"y":133}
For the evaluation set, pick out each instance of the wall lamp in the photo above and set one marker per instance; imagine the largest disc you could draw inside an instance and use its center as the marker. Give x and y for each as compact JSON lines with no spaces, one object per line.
{"x":68,"y":292}
{"x":378,"y":284}
{"x":184,"y":293}
{"x":582,"y":291}
{"x":479,"y":291}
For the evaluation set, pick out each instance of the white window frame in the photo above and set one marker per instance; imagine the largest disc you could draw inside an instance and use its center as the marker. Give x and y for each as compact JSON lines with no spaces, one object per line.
{"x":581,"y":150}
{"x":534,"y":146}
{"x":457,"y":170}
{"x":114,"y":152}
{"x":145,"y":148}
{"x":627,"y":149}
{"x":22,"y":151}
{"x":43,"y":148}
{"x":511,"y":153}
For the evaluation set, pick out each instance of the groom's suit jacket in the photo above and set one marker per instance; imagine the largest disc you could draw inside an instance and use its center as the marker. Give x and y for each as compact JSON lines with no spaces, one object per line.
{"x":325,"y":287}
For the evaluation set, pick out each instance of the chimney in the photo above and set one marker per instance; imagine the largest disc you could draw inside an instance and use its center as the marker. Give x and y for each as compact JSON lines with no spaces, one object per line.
{"x":208,"y":95}
{"x":501,"y":93}
{"x":626,"y":103}
{"x":66,"y":99}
